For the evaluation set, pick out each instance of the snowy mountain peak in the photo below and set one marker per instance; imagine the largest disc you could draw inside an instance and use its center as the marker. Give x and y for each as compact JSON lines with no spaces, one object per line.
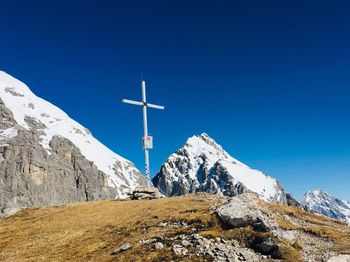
{"x":202,"y":138}
{"x":30,"y":112}
{"x":205,"y":144}
{"x":203,"y":165}
{"x":325,"y":204}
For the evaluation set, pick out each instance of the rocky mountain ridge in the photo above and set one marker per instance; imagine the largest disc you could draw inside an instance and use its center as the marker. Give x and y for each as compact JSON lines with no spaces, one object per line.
{"x":202,"y":165}
{"x":46,"y":158}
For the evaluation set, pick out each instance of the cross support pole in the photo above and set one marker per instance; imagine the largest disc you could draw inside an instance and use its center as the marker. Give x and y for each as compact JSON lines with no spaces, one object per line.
{"x":146,"y":146}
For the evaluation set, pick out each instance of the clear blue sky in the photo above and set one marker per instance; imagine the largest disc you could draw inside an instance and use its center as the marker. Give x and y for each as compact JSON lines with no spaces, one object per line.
{"x":269,"y":80}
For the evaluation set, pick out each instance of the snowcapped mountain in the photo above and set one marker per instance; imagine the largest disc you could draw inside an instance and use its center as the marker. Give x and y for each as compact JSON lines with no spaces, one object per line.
{"x":41,"y":145}
{"x":202,"y":165}
{"x":325,"y":204}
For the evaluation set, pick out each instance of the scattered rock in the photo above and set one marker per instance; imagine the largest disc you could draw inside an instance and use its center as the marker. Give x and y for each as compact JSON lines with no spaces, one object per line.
{"x":122,"y":248}
{"x":148,"y":241}
{"x":180,"y":250}
{"x":157,"y":246}
{"x":185,"y":243}
{"x":163,"y":224}
{"x":339,"y":258}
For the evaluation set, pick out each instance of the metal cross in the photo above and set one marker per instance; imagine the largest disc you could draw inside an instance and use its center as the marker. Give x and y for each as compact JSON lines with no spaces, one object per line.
{"x":147,"y":140}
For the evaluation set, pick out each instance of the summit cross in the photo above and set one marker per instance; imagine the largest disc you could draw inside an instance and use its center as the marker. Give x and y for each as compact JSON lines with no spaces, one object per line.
{"x":147,"y":140}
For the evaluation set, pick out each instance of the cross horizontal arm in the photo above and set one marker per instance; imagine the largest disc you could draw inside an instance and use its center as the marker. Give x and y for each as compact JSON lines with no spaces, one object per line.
{"x":132,"y":102}
{"x":155,"y":106}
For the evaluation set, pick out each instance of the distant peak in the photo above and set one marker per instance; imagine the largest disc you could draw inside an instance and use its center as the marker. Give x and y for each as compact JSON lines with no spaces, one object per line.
{"x":317,"y":193}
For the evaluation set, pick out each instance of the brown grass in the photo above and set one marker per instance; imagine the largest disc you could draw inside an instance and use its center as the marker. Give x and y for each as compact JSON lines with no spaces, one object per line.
{"x":289,"y":254}
{"x":317,"y":225}
{"x":91,"y":231}
{"x":244,"y":235}
{"x":298,"y":245}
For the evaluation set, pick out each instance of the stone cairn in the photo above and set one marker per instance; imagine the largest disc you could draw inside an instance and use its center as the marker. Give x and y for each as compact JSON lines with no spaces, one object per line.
{"x":145,"y":193}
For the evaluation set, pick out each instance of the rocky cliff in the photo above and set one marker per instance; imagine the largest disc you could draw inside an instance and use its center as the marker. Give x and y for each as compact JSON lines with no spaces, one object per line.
{"x":46,"y":158}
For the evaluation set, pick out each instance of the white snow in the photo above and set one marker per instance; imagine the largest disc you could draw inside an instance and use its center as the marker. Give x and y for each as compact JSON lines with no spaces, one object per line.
{"x":23,"y":103}
{"x":8,"y":133}
{"x":254,"y":180}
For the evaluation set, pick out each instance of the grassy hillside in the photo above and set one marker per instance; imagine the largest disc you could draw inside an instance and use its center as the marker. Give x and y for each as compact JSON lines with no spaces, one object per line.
{"x":91,"y":231}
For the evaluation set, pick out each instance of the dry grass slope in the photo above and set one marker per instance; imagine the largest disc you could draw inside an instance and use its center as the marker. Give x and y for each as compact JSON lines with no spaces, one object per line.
{"x":335,"y":231}
{"x":91,"y":231}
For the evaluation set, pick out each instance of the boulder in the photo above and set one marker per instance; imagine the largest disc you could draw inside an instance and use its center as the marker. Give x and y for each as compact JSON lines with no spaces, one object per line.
{"x":180,"y":250}
{"x":265,"y":246}
{"x":122,"y":248}
{"x":245,"y":210}
{"x":145,"y":193}
{"x":157,"y":246}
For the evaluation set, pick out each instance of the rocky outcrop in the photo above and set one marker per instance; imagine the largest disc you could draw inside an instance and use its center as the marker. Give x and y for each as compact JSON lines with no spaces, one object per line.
{"x":30,"y":177}
{"x":291,"y":201}
{"x":6,"y":117}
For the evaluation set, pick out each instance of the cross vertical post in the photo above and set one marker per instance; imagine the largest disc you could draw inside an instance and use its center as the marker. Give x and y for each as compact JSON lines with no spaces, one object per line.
{"x":147,"y":140}
{"x":145,"y":132}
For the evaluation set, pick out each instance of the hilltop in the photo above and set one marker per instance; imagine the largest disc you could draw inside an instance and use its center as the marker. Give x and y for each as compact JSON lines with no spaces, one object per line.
{"x":185,"y":228}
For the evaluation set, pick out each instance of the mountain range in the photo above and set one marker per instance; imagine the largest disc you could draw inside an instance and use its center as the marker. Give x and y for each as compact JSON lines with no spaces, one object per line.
{"x":47,"y":158}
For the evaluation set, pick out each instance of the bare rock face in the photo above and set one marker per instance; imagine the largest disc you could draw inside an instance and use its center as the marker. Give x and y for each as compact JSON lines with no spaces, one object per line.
{"x":6,"y":117}
{"x":30,"y":177}
{"x":291,"y":201}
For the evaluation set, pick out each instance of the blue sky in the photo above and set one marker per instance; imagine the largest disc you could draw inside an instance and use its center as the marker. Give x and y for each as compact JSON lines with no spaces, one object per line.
{"x":269,"y":80}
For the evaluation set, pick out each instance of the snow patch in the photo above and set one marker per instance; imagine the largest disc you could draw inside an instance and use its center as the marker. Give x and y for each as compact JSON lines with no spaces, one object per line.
{"x":8,"y":134}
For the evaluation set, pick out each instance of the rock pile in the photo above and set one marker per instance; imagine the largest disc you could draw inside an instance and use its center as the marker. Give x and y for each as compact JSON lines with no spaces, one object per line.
{"x":145,"y":193}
